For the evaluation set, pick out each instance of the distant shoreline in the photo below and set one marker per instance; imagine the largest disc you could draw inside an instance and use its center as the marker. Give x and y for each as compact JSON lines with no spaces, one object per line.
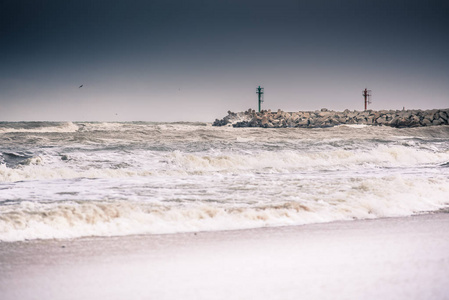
{"x":328,"y":118}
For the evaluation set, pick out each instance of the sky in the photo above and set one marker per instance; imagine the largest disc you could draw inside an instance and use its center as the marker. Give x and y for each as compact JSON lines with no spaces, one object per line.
{"x":174,"y":60}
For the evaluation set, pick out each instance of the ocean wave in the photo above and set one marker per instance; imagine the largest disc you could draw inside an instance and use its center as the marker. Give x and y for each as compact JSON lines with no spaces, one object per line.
{"x":356,"y":199}
{"x":115,"y":127}
{"x":36,"y":171}
{"x":148,"y":178}
{"x":39,"y":127}
{"x":177,"y":163}
{"x":337,"y":159}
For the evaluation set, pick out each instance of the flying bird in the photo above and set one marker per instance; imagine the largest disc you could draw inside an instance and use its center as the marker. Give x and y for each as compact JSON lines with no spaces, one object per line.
{"x":80,"y":86}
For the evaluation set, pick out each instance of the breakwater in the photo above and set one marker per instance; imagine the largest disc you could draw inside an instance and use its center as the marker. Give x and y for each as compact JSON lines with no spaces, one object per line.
{"x":329,"y":118}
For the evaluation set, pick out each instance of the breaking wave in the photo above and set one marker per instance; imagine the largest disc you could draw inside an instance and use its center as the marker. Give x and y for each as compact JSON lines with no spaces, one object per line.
{"x":40,"y":127}
{"x":360,"y":199}
{"x":68,"y":180}
{"x":178,"y":163}
{"x":381,"y":156}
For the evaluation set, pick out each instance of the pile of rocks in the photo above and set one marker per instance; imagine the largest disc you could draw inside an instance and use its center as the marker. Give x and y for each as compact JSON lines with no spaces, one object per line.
{"x":327,"y":118}
{"x":230,"y":118}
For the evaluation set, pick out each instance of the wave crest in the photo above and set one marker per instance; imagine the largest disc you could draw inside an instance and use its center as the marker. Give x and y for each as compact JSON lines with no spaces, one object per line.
{"x":40,"y":127}
{"x":178,"y":163}
{"x":344,"y":200}
{"x":338,"y":159}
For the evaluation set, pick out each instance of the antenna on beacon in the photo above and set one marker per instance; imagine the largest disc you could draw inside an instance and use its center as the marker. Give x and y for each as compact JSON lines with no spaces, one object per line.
{"x":259,"y":91}
{"x":367,"y":96}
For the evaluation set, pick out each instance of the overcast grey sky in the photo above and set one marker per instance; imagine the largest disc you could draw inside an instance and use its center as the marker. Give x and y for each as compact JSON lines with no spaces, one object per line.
{"x":173,"y":60}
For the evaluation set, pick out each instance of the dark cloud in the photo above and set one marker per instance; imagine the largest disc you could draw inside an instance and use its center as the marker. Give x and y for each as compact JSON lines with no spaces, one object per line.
{"x":139,"y":53}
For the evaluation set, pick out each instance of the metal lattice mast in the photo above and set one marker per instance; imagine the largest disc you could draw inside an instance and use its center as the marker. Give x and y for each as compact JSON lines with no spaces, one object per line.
{"x":367,"y":96}
{"x":259,"y":91}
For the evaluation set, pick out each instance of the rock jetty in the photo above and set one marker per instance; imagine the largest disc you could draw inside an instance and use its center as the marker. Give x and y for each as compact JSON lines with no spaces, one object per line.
{"x":329,"y":118}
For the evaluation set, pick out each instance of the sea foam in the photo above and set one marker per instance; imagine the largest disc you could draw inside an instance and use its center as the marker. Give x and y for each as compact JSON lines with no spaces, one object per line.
{"x":344,"y":199}
{"x":109,"y":179}
{"x":179,"y":163}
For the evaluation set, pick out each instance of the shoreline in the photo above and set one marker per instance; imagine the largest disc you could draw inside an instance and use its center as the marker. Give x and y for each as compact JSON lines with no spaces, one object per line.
{"x":327,"y":118}
{"x":393,"y":258}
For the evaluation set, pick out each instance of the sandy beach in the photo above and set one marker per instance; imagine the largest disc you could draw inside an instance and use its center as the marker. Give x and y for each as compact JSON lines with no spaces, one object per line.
{"x":391,"y":258}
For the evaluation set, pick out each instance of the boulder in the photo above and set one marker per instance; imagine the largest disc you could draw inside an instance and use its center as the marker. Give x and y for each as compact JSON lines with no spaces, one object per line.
{"x":295,"y":117}
{"x":414,"y":121}
{"x":264,"y":120}
{"x":324,"y":114}
{"x":302,"y":122}
{"x":381,"y":120}
{"x":425,"y":122}
{"x":437,"y":122}
{"x":428,"y":117}
{"x":319,"y":122}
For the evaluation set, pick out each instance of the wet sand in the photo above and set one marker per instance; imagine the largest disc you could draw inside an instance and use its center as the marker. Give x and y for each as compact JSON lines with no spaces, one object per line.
{"x":393,"y":258}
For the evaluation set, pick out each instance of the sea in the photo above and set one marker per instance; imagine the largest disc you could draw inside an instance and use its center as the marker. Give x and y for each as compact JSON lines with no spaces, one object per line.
{"x":65,"y":180}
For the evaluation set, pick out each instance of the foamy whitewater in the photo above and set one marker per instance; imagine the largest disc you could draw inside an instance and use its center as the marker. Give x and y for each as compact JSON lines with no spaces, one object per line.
{"x":68,"y":180}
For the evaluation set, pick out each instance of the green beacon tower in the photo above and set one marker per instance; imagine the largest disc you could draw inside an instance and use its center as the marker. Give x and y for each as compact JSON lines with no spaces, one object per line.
{"x":259,"y":92}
